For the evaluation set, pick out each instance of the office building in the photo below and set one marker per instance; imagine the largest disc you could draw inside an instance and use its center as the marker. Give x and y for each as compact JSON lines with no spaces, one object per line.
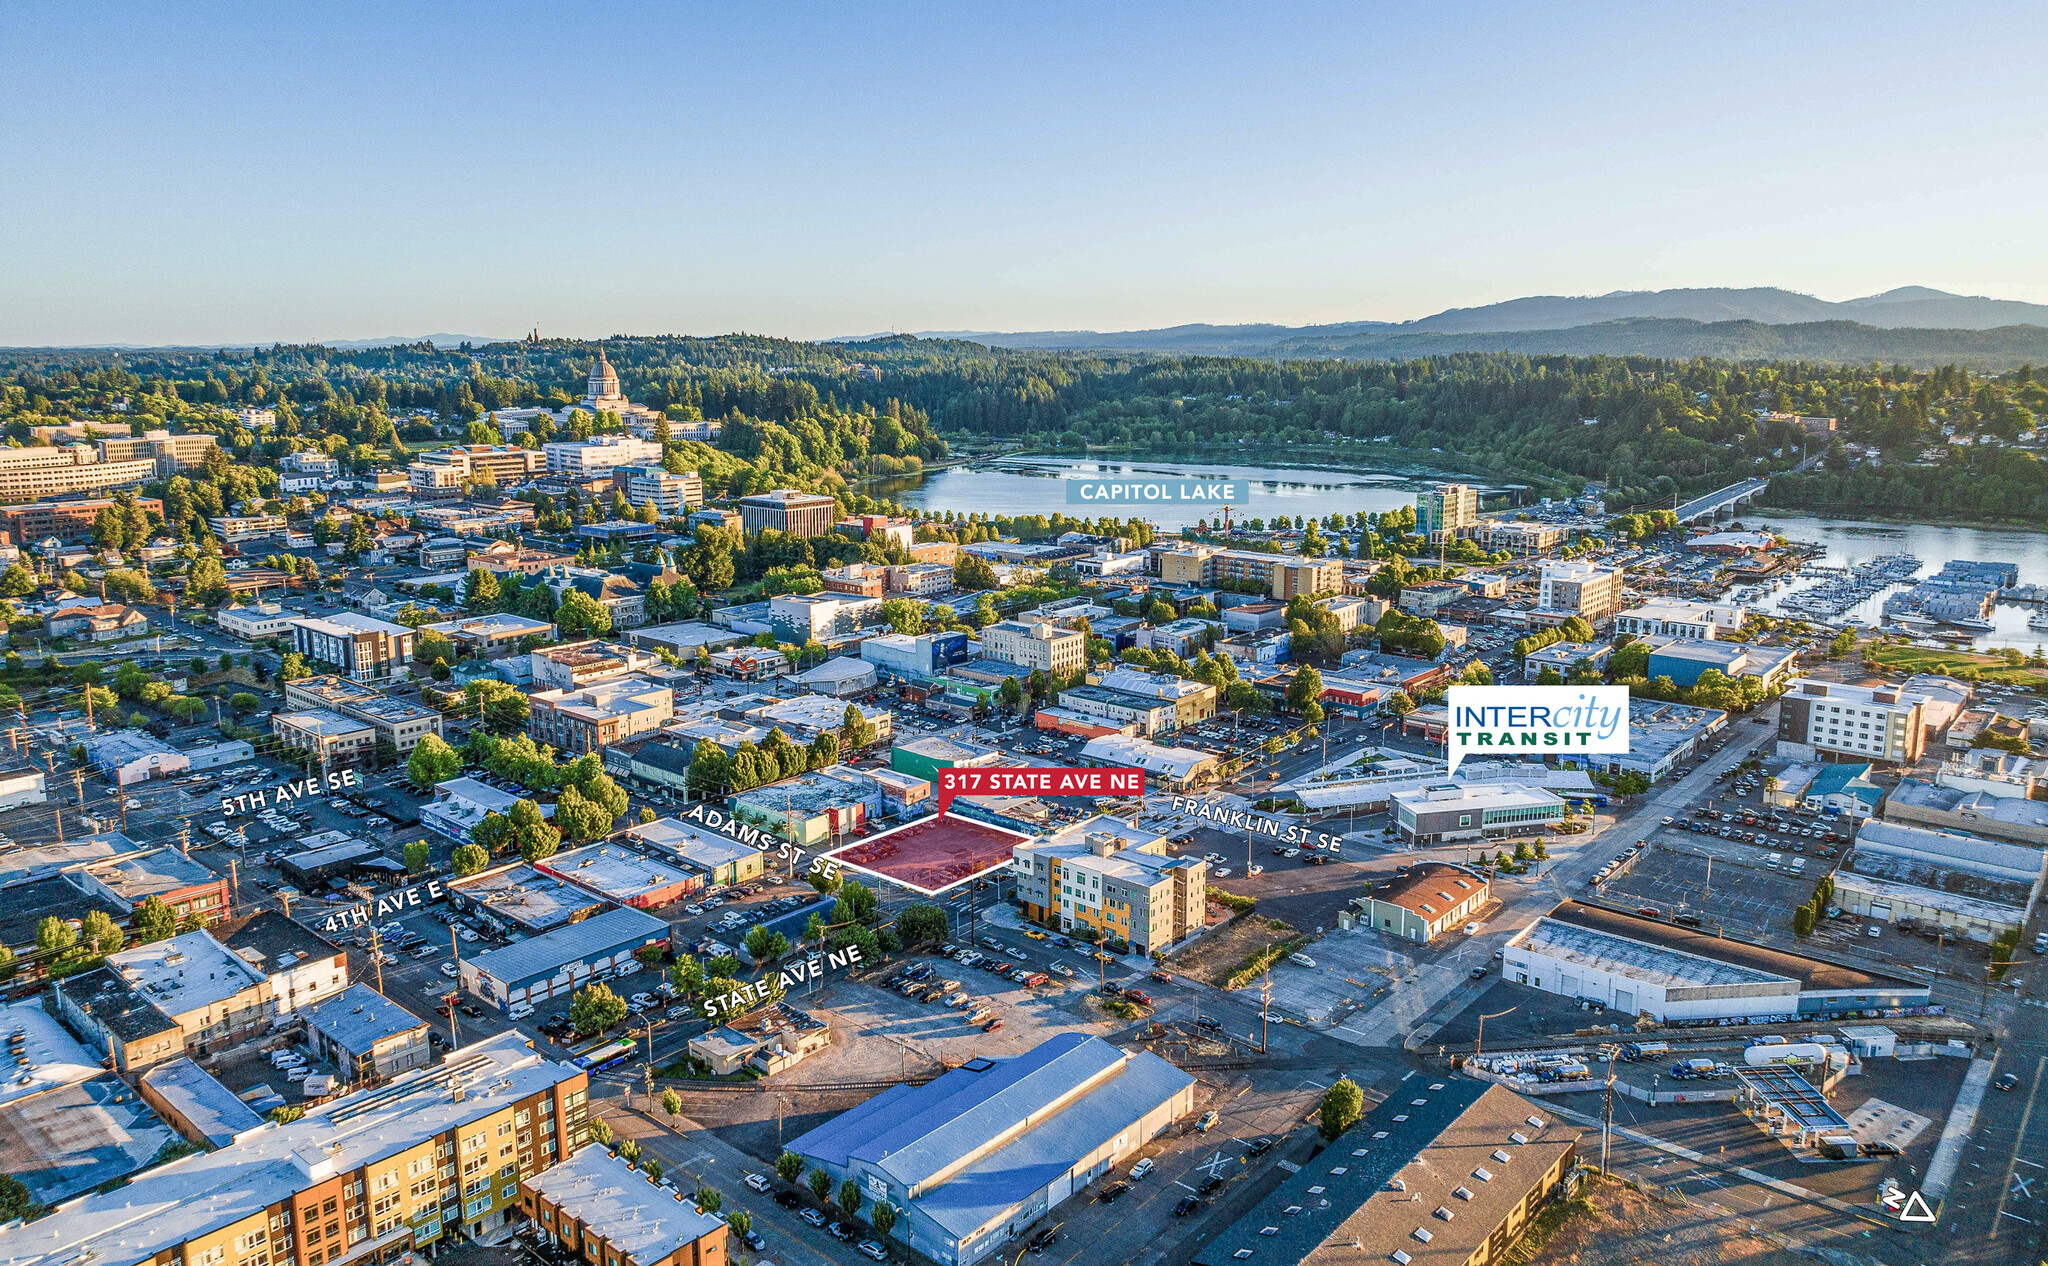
{"x":786,"y":510}
{"x":364,"y":1177}
{"x":460,"y":803}
{"x":577,"y":665}
{"x":1284,"y":576}
{"x":1970,"y":812}
{"x":597,"y":716}
{"x":1116,"y":878}
{"x":1685,"y":660}
{"x":1193,"y":701}
{"x":171,"y":453}
{"x":1636,"y":965}
{"x":392,"y":721}
{"x":1451,"y":812}
{"x":367,"y":1036}
{"x":237,"y":529}
{"x":28,"y":473}
{"x":1448,"y":1172}
{"x":1523,"y":538}
{"x":1668,"y":617}
{"x":556,"y":964}
{"x":447,"y":472}
{"x":865,"y":580}
{"x":596,"y":1207}
{"x":303,"y":967}
{"x":68,"y":521}
{"x":331,"y":740}
{"x":133,"y":877}
{"x":1441,"y":512}
{"x":1431,"y":899}
{"x":362,"y":648}
{"x":972,"y":1159}
{"x":1039,"y":645}
{"x":493,"y":636}
{"x":671,"y":495}
{"x":1832,"y":720}
{"x":1576,"y":587}
{"x":255,"y":622}
{"x":1173,"y":768}
{"x":600,"y":454}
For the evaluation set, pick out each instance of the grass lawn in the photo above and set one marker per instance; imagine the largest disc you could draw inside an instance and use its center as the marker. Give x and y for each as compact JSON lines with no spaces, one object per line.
{"x":1923,"y":659}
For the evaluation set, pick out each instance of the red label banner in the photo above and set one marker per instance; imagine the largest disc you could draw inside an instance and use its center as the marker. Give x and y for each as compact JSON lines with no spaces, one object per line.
{"x":1032,"y":780}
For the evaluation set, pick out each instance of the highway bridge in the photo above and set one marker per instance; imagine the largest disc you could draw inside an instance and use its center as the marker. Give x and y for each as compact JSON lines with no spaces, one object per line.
{"x":1725,"y":501}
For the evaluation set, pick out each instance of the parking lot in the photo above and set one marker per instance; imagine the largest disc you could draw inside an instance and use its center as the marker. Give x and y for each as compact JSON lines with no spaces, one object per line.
{"x":1730,"y":894}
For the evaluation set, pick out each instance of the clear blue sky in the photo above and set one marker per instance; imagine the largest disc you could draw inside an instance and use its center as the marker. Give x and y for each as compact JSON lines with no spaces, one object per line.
{"x":220,"y":172}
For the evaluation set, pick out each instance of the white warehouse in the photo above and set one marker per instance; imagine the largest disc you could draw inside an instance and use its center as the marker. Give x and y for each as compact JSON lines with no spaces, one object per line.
{"x":1637,"y":965}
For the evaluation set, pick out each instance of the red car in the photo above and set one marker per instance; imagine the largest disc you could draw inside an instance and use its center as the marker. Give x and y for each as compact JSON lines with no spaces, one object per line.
{"x":1163,"y":977}
{"x":1138,"y":996}
{"x":992,"y":1025}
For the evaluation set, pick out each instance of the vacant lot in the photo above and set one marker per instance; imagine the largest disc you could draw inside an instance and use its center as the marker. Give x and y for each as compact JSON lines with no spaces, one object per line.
{"x":1213,"y":958}
{"x":1613,"y":1224}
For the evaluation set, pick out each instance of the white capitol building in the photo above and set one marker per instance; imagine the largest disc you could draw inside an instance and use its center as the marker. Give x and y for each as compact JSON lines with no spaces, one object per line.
{"x":603,"y":394}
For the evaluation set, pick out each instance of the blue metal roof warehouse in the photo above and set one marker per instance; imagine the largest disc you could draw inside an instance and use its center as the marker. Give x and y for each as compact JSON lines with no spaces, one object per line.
{"x":972,"y":1159}
{"x":555,"y":964}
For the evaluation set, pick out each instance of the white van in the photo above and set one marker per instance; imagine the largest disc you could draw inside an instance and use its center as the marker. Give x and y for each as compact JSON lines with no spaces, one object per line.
{"x":1300,"y":959}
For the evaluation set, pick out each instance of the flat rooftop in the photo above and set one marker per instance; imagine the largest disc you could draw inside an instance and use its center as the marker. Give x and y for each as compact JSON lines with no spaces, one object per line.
{"x":206,"y":1106}
{"x":195,"y":1195}
{"x":138,"y":876}
{"x":934,"y":854}
{"x":522,"y":895}
{"x":186,"y":972}
{"x":26,"y":904}
{"x":614,"y":872}
{"x":1811,"y":973}
{"x":75,"y":1138}
{"x":1651,"y":964}
{"x":359,"y":1017}
{"x":701,"y":847}
{"x":320,"y":723}
{"x":637,"y":1218}
{"x":39,"y":1054}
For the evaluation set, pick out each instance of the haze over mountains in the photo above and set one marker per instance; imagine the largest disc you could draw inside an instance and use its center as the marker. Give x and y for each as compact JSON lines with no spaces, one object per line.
{"x":1723,"y":321}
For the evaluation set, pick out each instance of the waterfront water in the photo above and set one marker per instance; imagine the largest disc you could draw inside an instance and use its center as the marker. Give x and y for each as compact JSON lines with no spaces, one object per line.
{"x":1852,"y":541}
{"x":1032,"y":486}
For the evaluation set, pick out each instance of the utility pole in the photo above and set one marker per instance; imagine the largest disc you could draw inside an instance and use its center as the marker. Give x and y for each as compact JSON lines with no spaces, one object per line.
{"x":648,"y":1031}
{"x":454,"y":1036}
{"x":377,"y":956}
{"x":1607,"y":1121}
{"x":234,"y":876}
{"x":185,"y":838}
{"x":1479,"y":1043}
{"x":1265,"y":1005}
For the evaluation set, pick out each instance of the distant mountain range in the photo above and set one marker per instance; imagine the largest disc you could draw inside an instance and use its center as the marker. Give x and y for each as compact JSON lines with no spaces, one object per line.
{"x":1706,"y":322}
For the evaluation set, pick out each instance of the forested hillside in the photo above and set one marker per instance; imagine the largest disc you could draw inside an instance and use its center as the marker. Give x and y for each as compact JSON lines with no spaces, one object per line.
{"x":1947,"y":441}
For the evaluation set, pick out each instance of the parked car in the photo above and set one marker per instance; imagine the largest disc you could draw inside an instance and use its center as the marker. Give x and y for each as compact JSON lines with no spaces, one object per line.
{"x":1208,"y":1121}
{"x":1114,"y":1192}
{"x":1142,"y":1168}
{"x":1185,"y":1205}
{"x":871,"y":1250}
{"x":759,"y":1182}
{"x":813,"y":1217}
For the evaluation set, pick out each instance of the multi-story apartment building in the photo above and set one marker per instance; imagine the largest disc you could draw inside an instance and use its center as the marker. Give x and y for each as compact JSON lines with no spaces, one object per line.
{"x":66,"y":520}
{"x":600,"y":454}
{"x":671,"y":495}
{"x":1284,"y":576}
{"x":921,"y":579}
{"x":575,"y":665}
{"x":332,"y":740}
{"x":1440,"y":512}
{"x":598,"y":1208}
{"x":392,"y":721}
{"x":1671,"y":617}
{"x":1578,"y":588}
{"x":1115,"y":878}
{"x":236,"y":528}
{"x":596,"y":716}
{"x":787,"y":510}
{"x":366,"y":1177}
{"x":188,"y":994}
{"x":27,"y":473}
{"x":1039,"y":644}
{"x":362,"y":648}
{"x":1867,"y":723}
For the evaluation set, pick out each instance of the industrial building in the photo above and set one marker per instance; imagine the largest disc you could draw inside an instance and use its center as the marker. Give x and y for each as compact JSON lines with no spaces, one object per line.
{"x":1670,"y":617}
{"x":1431,"y":899}
{"x":1106,"y":874}
{"x":1445,"y":813}
{"x":1662,"y":737}
{"x":312,"y":869}
{"x":972,"y":1159}
{"x":1445,"y":1173}
{"x":366,"y":1035}
{"x":1973,"y":812}
{"x":840,"y":678}
{"x":1974,"y":889}
{"x":556,"y":964}
{"x":494,"y":1107}
{"x":1639,"y":965}
{"x":196,"y":1105}
{"x":1685,"y":660}
{"x":622,"y":876}
{"x":520,"y":898}
{"x":925,"y":757}
{"x":813,"y":810}
{"x":1173,"y":768}
{"x":598,"y":1208}
{"x":719,"y":858}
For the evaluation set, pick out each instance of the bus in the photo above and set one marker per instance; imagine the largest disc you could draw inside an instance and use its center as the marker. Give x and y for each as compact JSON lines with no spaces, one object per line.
{"x":605,"y":1055}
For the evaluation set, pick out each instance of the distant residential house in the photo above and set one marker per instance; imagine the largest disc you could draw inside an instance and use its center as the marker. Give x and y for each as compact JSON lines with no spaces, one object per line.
{"x":105,"y":623}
